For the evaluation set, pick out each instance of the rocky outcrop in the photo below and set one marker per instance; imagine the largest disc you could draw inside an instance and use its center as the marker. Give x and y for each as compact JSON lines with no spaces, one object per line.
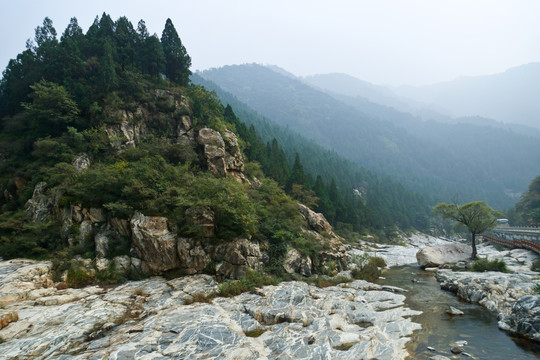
{"x":23,"y":280}
{"x":435,"y":256}
{"x":127,"y":132}
{"x":316,"y":221}
{"x":193,"y":255}
{"x":41,"y":205}
{"x":524,"y":319}
{"x":203,"y":219}
{"x":333,"y":251}
{"x":235,"y":257}
{"x":296,"y":263}
{"x":221,"y":153}
{"x":155,"y":318}
{"x":154,"y":243}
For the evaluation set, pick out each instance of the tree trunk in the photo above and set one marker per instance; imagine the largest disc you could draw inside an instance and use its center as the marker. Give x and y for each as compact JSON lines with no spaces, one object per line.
{"x":473,"y":255}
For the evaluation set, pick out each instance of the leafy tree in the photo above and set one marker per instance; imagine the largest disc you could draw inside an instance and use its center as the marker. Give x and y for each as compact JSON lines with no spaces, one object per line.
{"x":177,"y":59}
{"x":52,"y":109}
{"x":477,"y":216}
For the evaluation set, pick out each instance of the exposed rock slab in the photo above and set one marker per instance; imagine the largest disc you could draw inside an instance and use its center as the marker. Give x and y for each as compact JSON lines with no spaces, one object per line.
{"x":155,"y":318}
{"x":524,"y":318}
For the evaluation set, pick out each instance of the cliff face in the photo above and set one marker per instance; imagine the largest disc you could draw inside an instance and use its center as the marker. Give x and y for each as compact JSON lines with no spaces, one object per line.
{"x":156,"y":243}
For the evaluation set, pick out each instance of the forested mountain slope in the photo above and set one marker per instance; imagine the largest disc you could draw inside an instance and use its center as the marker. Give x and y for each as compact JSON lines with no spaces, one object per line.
{"x":462,"y":162}
{"x":387,"y":202}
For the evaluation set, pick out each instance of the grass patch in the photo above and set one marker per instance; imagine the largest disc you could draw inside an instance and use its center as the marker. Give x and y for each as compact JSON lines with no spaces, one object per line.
{"x":255,"y":333}
{"x":536,"y":289}
{"x":326,"y":281}
{"x":484,"y":264}
{"x":252,"y":280}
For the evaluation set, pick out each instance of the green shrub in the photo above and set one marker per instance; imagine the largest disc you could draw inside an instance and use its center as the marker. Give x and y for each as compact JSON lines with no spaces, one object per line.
{"x":367,"y":267}
{"x":536,"y":265}
{"x":252,"y":280}
{"x":79,"y":276}
{"x":307,"y":245}
{"x":536,"y":289}
{"x":110,"y":275}
{"x":22,"y":237}
{"x":484,"y":264}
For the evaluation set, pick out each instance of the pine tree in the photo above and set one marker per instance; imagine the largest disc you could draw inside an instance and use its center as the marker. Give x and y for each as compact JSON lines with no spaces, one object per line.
{"x":297,"y":175}
{"x":152,"y":57}
{"x":126,"y":39}
{"x":177,"y":60}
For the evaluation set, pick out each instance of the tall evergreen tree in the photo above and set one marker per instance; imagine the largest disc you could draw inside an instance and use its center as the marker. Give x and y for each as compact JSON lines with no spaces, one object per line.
{"x":177,"y":60}
{"x":297,"y":175}
{"x":126,"y":39}
{"x":152,"y":57}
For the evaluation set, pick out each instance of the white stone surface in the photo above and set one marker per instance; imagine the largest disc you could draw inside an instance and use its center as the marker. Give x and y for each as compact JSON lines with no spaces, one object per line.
{"x":156,"y":318}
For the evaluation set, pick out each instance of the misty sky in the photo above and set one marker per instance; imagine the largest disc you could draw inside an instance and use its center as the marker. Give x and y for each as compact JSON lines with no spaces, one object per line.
{"x":386,"y":42}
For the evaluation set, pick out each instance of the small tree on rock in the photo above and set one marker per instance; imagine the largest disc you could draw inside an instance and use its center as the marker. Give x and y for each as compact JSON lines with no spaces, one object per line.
{"x":477,"y":216}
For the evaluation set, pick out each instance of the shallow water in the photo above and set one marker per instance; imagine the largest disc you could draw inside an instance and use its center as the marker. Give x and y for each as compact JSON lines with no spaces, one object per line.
{"x":478,"y":326}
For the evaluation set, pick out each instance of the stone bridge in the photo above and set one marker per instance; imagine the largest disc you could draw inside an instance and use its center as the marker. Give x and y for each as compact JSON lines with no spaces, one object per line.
{"x":520,"y":237}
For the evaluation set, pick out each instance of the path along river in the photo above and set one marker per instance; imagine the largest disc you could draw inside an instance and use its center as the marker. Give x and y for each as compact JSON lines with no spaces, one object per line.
{"x":478,"y":326}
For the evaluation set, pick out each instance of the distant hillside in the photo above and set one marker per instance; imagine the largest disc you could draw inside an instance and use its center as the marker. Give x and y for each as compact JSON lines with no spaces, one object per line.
{"x":443,"y":161}
{"x":343,"y":84}
{"x":511,"y":96}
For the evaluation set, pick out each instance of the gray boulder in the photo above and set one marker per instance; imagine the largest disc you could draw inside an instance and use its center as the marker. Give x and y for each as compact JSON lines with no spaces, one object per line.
{"x":435,"y":256}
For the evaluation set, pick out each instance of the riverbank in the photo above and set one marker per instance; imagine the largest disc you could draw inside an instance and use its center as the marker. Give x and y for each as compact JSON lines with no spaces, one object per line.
{"x":441,"y":331}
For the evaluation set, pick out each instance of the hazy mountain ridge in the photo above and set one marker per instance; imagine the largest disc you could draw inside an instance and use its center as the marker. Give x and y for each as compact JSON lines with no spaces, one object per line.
{"x":511,"y":96}
{"x":463,"y":160}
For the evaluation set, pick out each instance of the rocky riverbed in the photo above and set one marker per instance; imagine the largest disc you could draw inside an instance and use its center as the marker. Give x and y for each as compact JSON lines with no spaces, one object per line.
{"x":509,"y":295}
{"x":182,"y":318}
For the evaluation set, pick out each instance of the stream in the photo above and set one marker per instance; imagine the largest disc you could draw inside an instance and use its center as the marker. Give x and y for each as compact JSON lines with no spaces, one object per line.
{"x":478,"y":326}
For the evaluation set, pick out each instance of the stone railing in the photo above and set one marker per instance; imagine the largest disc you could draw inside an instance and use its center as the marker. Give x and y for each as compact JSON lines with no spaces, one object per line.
{"x":522,"y":237}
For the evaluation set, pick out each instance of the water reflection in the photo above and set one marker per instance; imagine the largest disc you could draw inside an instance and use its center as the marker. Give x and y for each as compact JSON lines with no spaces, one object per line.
{"x":478,"y":326}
